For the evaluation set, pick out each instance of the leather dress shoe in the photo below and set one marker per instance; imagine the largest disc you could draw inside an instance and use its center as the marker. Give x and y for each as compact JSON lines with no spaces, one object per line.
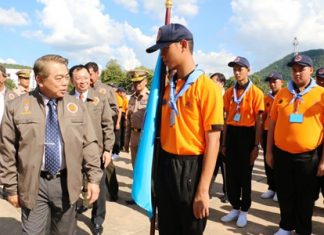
{"x":97,"y":229}
{"x":81,"y":209}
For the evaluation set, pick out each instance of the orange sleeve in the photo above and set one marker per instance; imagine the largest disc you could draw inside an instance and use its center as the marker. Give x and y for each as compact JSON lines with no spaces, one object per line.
{"x":258,"y":101}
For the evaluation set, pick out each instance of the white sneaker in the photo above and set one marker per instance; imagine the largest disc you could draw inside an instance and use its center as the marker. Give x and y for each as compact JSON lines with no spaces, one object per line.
{"x":268,"y":194}
{"x":242,"y":219}
{"x":282,"y":232}
{"x":232,"y":215}
{"x":275,"y":197}
{"x":114,"y":156}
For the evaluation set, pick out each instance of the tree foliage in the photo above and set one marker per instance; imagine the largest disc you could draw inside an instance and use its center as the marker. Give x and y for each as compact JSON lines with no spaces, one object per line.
{"x":10,"y":84}
{"x":113,"y":73}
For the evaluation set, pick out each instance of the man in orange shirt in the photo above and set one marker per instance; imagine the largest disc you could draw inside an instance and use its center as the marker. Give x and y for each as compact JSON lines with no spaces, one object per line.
{"x":192,"y":114}
{"x":275,"y":83}
{"x":243,"y":105}
{"x":294,"y":136}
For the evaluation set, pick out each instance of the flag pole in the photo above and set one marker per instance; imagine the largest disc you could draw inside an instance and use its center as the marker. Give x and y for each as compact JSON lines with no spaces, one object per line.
{"x":168,"y":6}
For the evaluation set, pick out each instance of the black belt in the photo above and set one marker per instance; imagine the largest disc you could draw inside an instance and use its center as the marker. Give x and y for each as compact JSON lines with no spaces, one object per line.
{"x":136,"y":129}
{"x":49,"y":176}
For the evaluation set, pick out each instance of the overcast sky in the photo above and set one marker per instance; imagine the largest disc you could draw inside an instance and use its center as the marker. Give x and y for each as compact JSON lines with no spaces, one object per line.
{"x":84,"y":30}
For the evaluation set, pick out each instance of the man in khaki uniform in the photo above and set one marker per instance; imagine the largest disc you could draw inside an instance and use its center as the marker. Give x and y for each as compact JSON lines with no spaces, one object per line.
{"x":136,"y":110}
{"x":23,"y":79}
{"x":107,"y":91}
{"x":5,"y":94}
{"x":103,"y":125}
{"x":46,"y":138}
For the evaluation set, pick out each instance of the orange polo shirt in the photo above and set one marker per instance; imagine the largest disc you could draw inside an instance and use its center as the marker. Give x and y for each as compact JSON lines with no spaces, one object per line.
{"x":200,"y":110}
{"x":120,"y":101}
{"x":298,"y":137}
{"x":251,"y":104}
{"x":125,"y":104}
{"x":268,"y":101}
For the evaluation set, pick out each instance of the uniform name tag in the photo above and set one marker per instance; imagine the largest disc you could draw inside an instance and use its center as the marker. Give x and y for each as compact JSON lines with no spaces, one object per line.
{"x":237,"y":117}
{"x":296,"y":118}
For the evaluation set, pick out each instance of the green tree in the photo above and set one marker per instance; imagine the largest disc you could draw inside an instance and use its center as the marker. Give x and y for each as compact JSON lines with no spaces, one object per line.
{"x":10,"y":84}
{"x":113,"y":73}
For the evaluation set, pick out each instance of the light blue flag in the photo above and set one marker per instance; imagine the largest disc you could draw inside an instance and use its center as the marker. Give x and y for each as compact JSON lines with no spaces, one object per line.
{"x":142,"y":175}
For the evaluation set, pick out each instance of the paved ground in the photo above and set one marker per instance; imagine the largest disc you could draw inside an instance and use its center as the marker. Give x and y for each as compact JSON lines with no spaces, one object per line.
{"x":130,"y":220}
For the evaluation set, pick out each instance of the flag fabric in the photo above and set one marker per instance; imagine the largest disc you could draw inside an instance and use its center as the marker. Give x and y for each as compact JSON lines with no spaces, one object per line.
{"x":142,"y":175}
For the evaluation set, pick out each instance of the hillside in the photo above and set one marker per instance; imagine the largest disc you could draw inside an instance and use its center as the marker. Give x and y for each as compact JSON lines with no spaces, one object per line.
{"x":15,"y":66}
{"x":281,"y":65}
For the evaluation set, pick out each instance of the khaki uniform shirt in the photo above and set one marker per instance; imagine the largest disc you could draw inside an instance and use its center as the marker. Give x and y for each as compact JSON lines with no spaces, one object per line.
{"x":22,"y":137}
{"x":101,"y":117}
{"x":135,"y":114}
{"x":107,"y":91}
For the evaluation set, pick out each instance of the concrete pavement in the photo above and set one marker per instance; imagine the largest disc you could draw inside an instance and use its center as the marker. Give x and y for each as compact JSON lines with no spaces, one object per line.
{"x":123,"y":219}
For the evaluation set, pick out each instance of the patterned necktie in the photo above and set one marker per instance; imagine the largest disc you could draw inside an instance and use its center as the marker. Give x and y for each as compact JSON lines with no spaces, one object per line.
{"x":52,"y":154}
{"x":81,"y":97}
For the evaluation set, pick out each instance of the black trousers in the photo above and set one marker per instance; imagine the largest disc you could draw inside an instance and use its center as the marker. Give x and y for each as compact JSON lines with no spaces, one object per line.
{"x":122,"y":131}
{"x":177,"y":181}
{"x":98,"y":212}
{"x":268,"y":170}
{"x":219,"y":165}
{"x":239,"y":144}
{"x":52,"y":202}
{"x":111,"y":181}
{"x":295,"y":176}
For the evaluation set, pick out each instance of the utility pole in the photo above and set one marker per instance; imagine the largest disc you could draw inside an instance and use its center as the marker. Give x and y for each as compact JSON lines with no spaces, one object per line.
{"x":295,"y":44}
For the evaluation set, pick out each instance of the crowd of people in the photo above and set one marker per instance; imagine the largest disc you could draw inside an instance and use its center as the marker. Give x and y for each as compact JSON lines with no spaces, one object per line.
{"x":55,"y":144}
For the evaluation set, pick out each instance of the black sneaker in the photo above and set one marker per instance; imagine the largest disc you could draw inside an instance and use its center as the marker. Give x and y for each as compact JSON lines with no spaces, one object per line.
{"x":130,"y":202}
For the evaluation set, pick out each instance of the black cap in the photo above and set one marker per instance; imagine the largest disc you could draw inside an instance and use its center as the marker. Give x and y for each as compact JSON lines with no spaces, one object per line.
{"x":169,"y":34}
{"x":303,"y":60}
{"x":240,"y":61}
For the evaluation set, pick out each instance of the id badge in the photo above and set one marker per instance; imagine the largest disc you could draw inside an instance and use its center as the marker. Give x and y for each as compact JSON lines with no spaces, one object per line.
{"x":237,"y":117}
{"x":296,"y":118}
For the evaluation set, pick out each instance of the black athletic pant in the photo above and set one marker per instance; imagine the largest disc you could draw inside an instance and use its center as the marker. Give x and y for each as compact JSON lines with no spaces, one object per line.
{"x":268,"y":170}
{"x":295,"y":176}
{"x":177,"y":180}
{"x":239,"y":145}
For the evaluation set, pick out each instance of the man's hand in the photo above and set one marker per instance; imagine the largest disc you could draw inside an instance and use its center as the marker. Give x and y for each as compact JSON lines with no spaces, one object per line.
{"x":201,"y":204}
{"x":93,"y":192}
{"x":106,"y":158}
{"x":14,"y":200}
{"x":254,"y":154}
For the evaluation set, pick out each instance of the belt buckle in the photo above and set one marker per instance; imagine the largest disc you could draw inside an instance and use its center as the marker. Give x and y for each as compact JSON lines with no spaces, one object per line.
{"x":49,"y":176}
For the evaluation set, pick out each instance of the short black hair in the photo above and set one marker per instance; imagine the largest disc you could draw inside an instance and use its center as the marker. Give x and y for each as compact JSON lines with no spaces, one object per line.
{"x":77,"y":68}
{"x":221,"y":77}
{"x":93,"y":66}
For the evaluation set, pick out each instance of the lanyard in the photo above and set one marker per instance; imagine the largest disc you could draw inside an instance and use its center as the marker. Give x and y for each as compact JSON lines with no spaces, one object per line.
{"x":239,"y":100}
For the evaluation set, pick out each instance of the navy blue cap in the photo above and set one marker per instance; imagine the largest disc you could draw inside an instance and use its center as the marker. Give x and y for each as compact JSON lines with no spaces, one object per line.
{"x":240,"y":61}
{"x":169,"y":34}
{"x":320,"y":72}
{"x":303,"y":60}
{"x":274,"y":76}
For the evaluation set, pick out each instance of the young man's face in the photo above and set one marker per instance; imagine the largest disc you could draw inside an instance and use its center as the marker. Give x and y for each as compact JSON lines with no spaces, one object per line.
{"x":320,"y":81}
{"x":140,"y":85}
{"x":216,"y":79}
{"x":81,"y":80}
{"x":275,"y":85}
{"x":172,"y":55}
{"x":301,"y":75}
{"x":55,"y":85}
{"x":241,"y":73}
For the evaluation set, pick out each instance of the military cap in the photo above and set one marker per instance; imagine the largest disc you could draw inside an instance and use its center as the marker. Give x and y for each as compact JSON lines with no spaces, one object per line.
{"x":3,"y":70}
{"x":25,"y":73}
{"x":137,"y":75}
